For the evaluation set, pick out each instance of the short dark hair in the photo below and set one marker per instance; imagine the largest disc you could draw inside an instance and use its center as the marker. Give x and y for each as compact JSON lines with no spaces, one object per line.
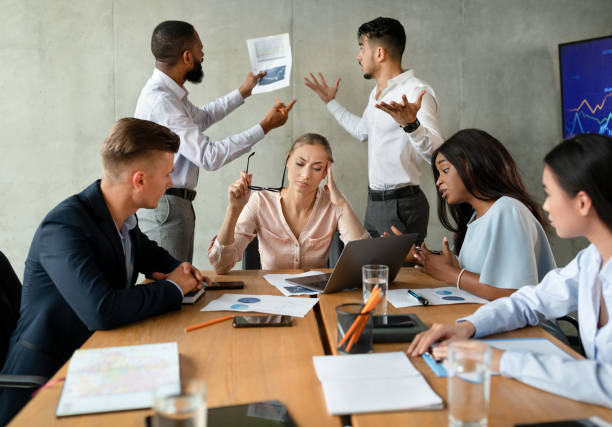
{"x":488,"y":172}
{"x":582,"y":163}
{"x":132,"y":139}
{"x":386,"y":31}
{"x":170,"y":39}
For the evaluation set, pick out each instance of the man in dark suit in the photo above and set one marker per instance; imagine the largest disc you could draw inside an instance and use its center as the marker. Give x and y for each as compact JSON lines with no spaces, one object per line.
{"x":85,"y":258}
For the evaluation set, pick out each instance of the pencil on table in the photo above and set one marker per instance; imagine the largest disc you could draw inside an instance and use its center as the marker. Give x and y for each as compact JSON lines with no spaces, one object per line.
{"x":210,"y":322}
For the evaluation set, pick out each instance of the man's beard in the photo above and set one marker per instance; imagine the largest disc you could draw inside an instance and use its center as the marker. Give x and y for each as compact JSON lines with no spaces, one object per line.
{"x":196,"y":74}
{"x":367,"y":76}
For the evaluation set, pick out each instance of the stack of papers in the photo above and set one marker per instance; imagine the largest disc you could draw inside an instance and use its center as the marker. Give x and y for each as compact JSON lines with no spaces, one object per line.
{"x":279,"y":281}
{"x":271,"y":54}
{"x":270,"y":304}
{"x":377,"y":382}
{"x":436,"y":296}
{"x":118,"y":378}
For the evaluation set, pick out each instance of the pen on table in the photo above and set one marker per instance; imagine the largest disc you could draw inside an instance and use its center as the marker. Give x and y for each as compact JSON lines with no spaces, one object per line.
{"x":421,"y":299}
{"x":210,"y":322}
{"x":282,"y":108}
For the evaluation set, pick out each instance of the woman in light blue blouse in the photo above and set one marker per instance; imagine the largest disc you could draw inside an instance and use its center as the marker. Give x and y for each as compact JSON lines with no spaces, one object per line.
{"x":578,"y":185}
{"x":499,"y":233}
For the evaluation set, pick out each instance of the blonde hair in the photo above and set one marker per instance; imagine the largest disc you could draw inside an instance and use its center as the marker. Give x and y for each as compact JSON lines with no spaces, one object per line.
{"x":312,"y":139}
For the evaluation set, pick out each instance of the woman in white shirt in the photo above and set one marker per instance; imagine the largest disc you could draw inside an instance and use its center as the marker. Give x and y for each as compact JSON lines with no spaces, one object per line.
{"x":578,"y":185}
{"x":295,"y":225}
{"x":499,"y":234}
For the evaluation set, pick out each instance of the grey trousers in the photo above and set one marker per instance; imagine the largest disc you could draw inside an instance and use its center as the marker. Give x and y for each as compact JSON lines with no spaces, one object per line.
{"x":171,"y":225}
{"x":409,"y":214}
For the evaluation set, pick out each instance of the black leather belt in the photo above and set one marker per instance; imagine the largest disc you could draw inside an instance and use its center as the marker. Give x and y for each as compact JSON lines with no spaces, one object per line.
{"x":183,"y":193}
{"x":396,"y":193}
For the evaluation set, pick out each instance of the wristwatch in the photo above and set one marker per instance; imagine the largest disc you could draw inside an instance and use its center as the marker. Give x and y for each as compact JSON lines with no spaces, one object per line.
{"x":411,"y":127}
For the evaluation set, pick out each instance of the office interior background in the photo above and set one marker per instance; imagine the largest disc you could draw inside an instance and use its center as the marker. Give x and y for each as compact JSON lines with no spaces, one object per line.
{"x":71,"y":68}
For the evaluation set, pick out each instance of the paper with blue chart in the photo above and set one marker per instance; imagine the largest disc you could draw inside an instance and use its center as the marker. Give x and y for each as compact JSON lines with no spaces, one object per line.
{"x":271,"y":54}
{"x":269,"y":304}
{"x":279,"y":281}
{"x":436,"y":296}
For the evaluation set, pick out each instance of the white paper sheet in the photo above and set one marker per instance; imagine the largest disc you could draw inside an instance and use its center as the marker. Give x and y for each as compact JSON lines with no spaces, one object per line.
{"x":118,"y":378}
{"x":436,"y":296}
{"x":271,"y":54}
{"x":279,"y":281}
{"x":269,"y":304}
{"x":373,"y":383}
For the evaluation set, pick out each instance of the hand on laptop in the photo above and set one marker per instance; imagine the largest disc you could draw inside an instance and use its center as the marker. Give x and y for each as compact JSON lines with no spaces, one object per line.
{"x":411,"y":255}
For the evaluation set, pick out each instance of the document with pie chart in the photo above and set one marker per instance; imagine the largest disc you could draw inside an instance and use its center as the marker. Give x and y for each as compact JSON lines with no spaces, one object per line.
{"x":269,"y":304}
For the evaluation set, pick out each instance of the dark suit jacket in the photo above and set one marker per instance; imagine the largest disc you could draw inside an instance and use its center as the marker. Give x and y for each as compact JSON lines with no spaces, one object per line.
{"x":75,"y":283}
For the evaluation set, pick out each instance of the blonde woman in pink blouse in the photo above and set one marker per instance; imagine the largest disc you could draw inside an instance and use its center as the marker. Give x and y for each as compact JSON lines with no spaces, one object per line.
{"x":295,"y":225}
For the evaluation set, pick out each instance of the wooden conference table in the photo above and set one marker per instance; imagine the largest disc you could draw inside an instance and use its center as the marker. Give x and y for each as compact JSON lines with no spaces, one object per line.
{"x":254,"y":364}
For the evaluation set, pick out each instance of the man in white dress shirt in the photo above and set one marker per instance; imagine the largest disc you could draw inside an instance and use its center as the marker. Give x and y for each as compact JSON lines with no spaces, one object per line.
{"x":178,"y":54}
{"x":400,"y":124}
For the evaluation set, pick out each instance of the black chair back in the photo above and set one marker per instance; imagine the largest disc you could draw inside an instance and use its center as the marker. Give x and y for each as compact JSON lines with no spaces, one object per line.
{"x":10,"y":300}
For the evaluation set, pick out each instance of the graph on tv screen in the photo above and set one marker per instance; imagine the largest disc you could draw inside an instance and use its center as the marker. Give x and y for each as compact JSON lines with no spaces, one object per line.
{"x":586,"y":86}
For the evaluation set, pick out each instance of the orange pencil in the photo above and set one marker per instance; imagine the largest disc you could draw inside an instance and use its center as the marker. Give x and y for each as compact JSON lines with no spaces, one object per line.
{"x":210,"y":322}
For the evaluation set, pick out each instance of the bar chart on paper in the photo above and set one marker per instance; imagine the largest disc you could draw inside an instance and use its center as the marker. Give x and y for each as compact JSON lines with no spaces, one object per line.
{"x":586,"y":86}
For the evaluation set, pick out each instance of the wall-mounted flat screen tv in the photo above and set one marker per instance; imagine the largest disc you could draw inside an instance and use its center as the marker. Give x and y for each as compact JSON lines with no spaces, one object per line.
{"x":586,"y":86}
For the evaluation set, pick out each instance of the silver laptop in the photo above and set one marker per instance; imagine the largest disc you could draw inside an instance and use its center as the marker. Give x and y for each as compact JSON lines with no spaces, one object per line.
{"x":389,"y":251}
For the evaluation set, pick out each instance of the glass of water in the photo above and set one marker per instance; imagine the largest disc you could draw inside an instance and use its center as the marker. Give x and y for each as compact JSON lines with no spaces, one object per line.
{"x":376,"y":275}
{"x":186,"y":409}
{"x":469,"y":377}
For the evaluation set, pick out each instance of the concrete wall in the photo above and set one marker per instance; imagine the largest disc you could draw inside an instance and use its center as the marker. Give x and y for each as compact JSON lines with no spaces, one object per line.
{"x":70,"y":69}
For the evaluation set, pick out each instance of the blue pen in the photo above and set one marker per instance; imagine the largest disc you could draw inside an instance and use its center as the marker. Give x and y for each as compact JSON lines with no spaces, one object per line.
{"x":421,"y":299}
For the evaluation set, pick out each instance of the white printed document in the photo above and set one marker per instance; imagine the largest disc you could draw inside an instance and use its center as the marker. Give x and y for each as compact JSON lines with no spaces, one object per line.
{"x":118,"y":378}
{"x":279,"y":281}
{"x":270,"y":304}
{"x":271,"y":54}
{"x":436,"y":296}
{"x":374,"y":382}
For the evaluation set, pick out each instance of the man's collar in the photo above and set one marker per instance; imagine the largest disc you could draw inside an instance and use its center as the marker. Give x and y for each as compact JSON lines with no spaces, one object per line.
{"x":400,"y":78}
{"x":167,"y":81}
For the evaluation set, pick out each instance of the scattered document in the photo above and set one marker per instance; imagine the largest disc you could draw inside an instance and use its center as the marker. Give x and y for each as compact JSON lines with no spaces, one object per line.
{"x":375,"y":382}
{"x":118,"y":378}
{"x":436,"y":296}
{"x":271,"y":54}
{"x":269,"y":304}
{"x":279,"y":281}
{"x":530,"y":345}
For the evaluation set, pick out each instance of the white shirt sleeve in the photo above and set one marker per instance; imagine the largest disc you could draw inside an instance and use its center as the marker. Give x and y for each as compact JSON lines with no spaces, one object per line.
{"x":554,"y":297}
{"x":427,"y":137}
{"x":197,"y":147}
{"x":352,"y":123}
{"x":583,"y":380}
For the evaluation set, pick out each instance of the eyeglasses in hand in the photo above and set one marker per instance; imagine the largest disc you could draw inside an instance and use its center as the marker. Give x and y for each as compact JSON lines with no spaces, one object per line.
{"x":258,"y":188}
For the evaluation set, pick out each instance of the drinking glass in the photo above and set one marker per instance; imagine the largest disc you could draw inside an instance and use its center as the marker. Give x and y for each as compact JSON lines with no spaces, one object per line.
{"x":469,"y":376}
{"x":376,"y":275}
{"x":187,"y":409}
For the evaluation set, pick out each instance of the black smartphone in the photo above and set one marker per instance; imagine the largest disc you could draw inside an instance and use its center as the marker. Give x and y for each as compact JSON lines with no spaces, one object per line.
{"x":219,"y":286}
{"x":259,"y":321}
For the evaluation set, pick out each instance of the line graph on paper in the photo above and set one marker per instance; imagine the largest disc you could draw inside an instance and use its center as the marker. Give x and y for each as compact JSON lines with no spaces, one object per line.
{"x":586,"y":86}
